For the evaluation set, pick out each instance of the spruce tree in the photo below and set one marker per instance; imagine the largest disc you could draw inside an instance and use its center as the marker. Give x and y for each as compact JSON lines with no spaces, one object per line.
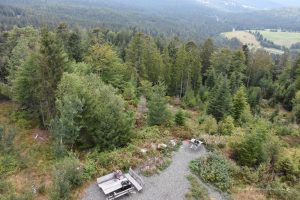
{"x":157,"y":105}
{"x":239,"y":103}
{"x":40,"y":77}
{"x":220,"y":103}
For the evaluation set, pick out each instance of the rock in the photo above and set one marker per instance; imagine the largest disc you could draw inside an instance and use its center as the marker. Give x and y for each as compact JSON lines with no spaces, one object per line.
{"x":153,"y":146}
{"x":173,"y":142}
{"x":144,"y":151}
{"x":162,"y":146}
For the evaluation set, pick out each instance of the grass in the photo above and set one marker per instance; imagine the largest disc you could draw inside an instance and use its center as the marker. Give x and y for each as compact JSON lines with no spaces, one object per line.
{"x":247,"y":38}
{"x":197,"y":191}
{"x":282,"y":38}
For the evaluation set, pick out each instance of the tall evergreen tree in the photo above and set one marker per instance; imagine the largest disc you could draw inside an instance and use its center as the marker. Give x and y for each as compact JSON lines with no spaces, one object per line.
{"x":239,"y":103}
{"x":220,"y":103}
{"x":206,"y":54}
{"x":48,"y":65}
{"x":157,"y":105}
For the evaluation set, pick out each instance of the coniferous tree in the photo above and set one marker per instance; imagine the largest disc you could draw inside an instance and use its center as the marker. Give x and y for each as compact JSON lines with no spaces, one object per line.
{"x":206,"y":54}
{"x":157,"y":105}
{"x":220,"y":103}
{"x":296,"y":107}
{"x":47,"y":65}
{"x":239,"y":103}
{"x":179,"y":118}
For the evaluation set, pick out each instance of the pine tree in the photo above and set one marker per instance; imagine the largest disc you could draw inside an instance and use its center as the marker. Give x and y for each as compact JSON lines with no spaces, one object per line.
{"x":211,"y":78}
{"x":220,"y":103}
{"x":296,"y":107}
{"x":179,"y":118}
{"x":206,"y":54}
{"x":239,"y":103}
{"x":40,"y":77}
{"x":227,"y":126}
{"x":157,"y":105}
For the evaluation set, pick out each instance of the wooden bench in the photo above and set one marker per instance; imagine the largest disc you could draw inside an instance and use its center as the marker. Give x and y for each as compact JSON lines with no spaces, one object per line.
{"x":134,"y":182}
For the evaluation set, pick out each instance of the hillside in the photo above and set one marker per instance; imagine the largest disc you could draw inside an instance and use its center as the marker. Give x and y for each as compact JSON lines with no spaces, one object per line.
{"x":186,"y":19}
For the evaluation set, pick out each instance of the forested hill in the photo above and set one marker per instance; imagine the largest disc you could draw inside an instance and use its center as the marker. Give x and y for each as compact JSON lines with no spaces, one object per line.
{"x":186,"y":19}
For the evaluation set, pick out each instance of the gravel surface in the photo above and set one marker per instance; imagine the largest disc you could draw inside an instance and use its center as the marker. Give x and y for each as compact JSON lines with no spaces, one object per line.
{"x":171,"y":184}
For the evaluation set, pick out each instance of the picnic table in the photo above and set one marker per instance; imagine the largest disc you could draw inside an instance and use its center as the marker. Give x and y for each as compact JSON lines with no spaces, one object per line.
{"x":117,"y":184}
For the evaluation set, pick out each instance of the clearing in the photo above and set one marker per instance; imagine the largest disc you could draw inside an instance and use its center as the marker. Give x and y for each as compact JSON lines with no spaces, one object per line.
{"x":281,"y":38}
{"x":170,"y":184}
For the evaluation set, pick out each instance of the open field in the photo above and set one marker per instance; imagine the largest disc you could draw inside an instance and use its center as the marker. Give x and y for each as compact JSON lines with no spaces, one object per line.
{"x":282,"y":38}
{"x":247,"y":38}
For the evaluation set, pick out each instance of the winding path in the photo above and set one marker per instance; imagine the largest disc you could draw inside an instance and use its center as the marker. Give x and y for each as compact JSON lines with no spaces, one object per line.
{"x":171,"y":184}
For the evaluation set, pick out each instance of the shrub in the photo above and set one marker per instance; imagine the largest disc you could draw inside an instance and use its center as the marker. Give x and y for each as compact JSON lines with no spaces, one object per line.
{"x":278,"y":190}
{"x":197,"y":191}
{"x":252,"y":150}
{"x":227,"y":126}
{"x":149,"y":133}
{"x":215,"y":169}
{"x":67,"y":175}
{"x":190,"y":99}
{"x":180,"y":118}
{"x":210,"y":125}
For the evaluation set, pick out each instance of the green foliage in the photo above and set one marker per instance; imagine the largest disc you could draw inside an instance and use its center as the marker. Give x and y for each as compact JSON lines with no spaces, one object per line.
{"x":254,"y":98}
{"x":129,"y":93}
{"x":146,"y":89}
{"x":276,"y":189}
{"x":210,"y":125}
{"x":119,"y":159}
{"x":239,"y":103}
{"x":148,"y":133}
{"x":158,"y":111}
{"x":251,"y":152}
{"x":197,"y":191}
{"x":143,"y":56}
{"x":180,"y":118}
{"x":227,"y":126}
{"x":296,"y":107}
{"x":215,"y":169}
{"x":189,"y":98}
{"x":258,"y":146}
{"x":86,"y":106}
{"x":105,"y":62}
{"x":36,"y":82}
{"x":220,"y":103}
{"x":67,"y":175}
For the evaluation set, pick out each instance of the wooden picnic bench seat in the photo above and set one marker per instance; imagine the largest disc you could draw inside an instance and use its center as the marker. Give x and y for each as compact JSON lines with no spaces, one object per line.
{"x":134,"y":182}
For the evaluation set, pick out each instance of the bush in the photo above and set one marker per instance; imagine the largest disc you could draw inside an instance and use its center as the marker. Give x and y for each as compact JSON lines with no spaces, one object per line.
{"x":197,"y":191}
{"x":180,"y":118}
{"x":190,"y":99}
{"x":210,"y":125}
{"x":215,"y":169}
{"x":278,"y":190}
{"x":252,"y":150}
{"x":148,"y":133}
{"x":227,"y":126}
{"x":120,"y":159}
{"x":67,"y":175}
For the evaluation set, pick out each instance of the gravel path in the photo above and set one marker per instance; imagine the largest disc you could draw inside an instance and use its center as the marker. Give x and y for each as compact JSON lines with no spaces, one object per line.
{"x":171,"y":184}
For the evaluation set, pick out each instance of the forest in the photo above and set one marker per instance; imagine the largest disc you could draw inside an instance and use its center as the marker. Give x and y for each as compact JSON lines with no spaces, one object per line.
{"x":72,"y":109}
{"x":170,"y":18}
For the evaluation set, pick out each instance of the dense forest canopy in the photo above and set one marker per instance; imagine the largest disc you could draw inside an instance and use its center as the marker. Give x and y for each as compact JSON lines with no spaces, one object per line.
{"x":186,"y":19}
